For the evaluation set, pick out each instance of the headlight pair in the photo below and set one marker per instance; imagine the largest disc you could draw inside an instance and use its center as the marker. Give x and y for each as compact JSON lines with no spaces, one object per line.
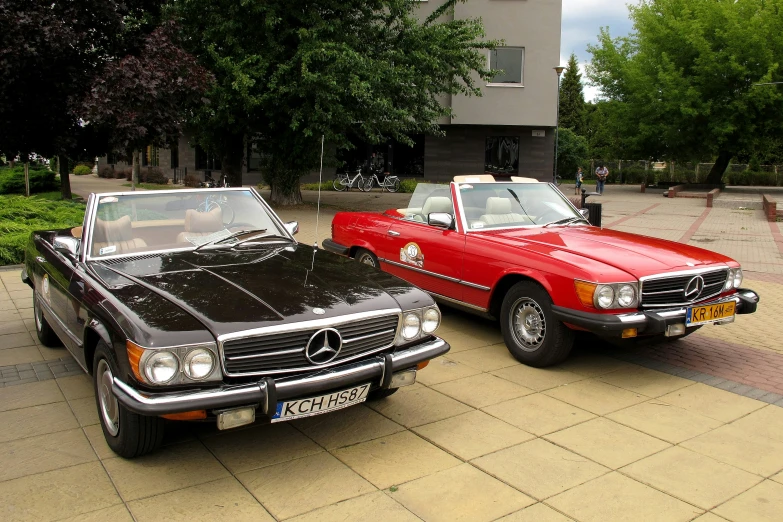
{"x":608,"y":296}
{"x":175,"y":365}
{"x":734,"y":279}
{"x":417,"y":323}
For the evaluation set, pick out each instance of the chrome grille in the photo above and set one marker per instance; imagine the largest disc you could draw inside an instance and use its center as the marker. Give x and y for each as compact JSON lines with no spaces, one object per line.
{"x":283,"y":352}
{"x":665,"y":291}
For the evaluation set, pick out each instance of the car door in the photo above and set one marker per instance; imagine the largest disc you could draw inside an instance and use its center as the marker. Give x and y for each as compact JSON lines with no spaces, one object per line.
{"x":56,"y":273}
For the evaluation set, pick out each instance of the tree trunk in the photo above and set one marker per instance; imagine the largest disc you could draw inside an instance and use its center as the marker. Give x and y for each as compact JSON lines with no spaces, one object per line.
{"x":27,"y":178}
{"x":283,"y":196}
{"x":233,"y":158}
{"x":65,"y":179}
{"x":284,"y":183}
{"x":136,"y":170}
{"x":719,"y":168}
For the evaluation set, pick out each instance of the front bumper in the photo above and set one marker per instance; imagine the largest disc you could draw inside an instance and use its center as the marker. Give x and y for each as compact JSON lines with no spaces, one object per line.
{"x":647,"y":322}
{"x":266,"y":392}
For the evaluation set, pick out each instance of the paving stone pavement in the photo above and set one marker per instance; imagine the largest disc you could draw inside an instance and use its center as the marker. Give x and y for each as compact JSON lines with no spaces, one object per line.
{"x":601,"y":437}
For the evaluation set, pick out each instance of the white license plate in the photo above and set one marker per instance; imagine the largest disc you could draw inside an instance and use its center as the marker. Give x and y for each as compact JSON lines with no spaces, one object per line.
{"x":299,"y":408}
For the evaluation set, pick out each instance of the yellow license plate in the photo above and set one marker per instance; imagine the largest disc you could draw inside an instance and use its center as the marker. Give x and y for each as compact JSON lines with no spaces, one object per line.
{"x":710,"y":313}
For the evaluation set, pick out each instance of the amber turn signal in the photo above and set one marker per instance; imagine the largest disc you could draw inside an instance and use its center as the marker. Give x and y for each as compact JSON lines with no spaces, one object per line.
{"x":134,"y":358}
{"x":629,"y":332}
{"x":186,"y":415}
{"x":422,"y":365}
{"x":585,"y":291}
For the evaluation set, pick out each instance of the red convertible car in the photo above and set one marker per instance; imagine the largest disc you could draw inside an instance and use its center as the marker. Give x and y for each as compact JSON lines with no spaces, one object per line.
{"x":522,"y":253}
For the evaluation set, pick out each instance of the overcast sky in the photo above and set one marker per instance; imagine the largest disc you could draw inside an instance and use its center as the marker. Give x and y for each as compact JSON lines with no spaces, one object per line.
{"x":582,"y":21}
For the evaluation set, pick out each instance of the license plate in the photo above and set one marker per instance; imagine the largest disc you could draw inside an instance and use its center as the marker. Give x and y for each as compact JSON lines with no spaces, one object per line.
{"x":299,"y":408}
{"x":710,"y":313}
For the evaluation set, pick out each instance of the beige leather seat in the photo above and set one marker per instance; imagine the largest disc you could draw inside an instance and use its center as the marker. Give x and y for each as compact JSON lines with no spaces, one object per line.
{"x":199,"y":224}
{"x":114,"y":237}
{"x":498,"y":212}
{"x":437,"y":204}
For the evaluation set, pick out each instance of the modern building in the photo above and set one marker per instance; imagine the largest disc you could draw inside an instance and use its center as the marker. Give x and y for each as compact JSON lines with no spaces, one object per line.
{"x":509,"y":130}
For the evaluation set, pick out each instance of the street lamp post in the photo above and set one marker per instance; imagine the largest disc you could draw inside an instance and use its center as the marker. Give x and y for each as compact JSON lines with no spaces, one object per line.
{"x":559,"y":70}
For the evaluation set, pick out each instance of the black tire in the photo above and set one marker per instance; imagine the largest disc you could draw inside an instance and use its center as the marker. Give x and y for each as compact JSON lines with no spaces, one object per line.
{"x":45,"y":333}
{"x":380,"y":394}
{"x":128,"y":434}
{"x":532,"y":333}
{"x":366,"y":257}
{"x":366,"y":185}
{"x":337,"y":184}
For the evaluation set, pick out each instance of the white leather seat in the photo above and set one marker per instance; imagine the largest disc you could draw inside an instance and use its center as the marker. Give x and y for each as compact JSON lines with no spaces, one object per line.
{"x":437,"y":204}
{"x":498,"y":212}
{"x":199,"y":224}
{"x":117,"y":234}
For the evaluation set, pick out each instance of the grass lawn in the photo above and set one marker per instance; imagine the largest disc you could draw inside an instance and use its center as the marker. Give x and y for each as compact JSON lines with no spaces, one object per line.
{"x":20,"y":215}
{"x":155,"y":186}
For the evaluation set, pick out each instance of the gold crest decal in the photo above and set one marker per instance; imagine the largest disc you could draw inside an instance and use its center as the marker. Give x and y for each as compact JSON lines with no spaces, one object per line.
{"x":412,"y":255}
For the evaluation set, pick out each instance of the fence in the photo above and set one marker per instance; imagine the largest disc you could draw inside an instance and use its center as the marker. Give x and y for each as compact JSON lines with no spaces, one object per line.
{"x":650,"y":172}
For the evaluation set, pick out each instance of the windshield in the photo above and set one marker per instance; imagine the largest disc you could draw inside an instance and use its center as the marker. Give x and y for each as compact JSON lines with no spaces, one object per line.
{"x":501,"y":205}
{"x":149,"y":221}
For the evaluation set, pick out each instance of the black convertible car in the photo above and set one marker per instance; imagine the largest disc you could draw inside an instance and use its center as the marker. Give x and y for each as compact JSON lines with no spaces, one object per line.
{"x":200,"y":305}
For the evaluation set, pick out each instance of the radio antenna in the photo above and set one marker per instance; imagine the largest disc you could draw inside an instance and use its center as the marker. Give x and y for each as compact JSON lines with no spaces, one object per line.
{"x":320,"y":181}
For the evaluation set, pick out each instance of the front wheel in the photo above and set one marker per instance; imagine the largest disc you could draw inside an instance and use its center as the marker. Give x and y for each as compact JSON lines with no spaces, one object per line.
{"x":393,"y":185}
{"x":338,"y":185}
{"x":128,"y":434}
{"x":532,"y":333}
{"x":367,"y":185}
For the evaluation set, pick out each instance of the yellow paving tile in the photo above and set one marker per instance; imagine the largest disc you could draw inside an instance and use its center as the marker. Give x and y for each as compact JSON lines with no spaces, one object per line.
{"x":12,"y":356}
{"x":763,"y":503}
{"x":115,"y":514}
{"x":664,"y":421}
{"x":395,"y":459}
{"x":745,"y":450}
{"x":15,"y":340}
{"x":595,"y":396}
{"x":85,"y":410}
{"x":366,"y":508}
{"x":30,"y":394}
{"x":76,"y":386}
{"x":9,"y":328}
{"x":460,"y":493}
{"x":607,"y":442}
{"x":172,"y":468}
{"x":57,"y":494}
{"x":284,"y":491}
{"x":36,"y":420}
{"x":258,"y":446}
{"x":536,"y":513}
{"x":712,"y":402}
{"x":33,"y":455}
{"x":444,"y":369}
{"x":346,"y":427}
{"x":472,"y":434}
{"x":767,"y":422}
{"x":692,"y":477}
{"x":645,"y":381}
{"x":539,"y":468}
{"x":709,"y":517}
{"x":487,"y":358}
{"x":224,"y":499}
{"x":98,"y":442}
{"x":537,"y":378}
{"x":593,"y":365}
{"x":614,"y":497}
{"x":482,"y":390}
{"x":420,"y":406}
{"x":460,"y":341}
{"x":538,"y":413}
{"x":51,"y":354}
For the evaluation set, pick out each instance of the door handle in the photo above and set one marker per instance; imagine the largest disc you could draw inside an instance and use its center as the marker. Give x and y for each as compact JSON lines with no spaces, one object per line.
{"x":40,"y":259}
{"x":393,"y":233}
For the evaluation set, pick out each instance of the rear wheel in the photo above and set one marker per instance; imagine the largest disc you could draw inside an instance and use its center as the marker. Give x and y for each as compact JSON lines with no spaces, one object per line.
{"x":394,"y":185}
{"x":45,"y":333}
{"x":128,"y":434}
{"x":366,"y":257}
{"x":338,"y":184}
{"x":366,"y":186}
{"x":532,"y":333}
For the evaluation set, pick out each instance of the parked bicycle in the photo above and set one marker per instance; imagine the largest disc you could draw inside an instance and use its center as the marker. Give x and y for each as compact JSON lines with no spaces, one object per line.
{"x":390,"y":183}
{"x":345,"y":181}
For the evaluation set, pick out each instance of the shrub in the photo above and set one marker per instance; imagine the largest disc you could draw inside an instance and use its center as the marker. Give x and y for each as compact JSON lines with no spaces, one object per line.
{"x":12,"y":180}
{"x":191,"y":181}
{"x":82,"y":170}
{"x":326,"y":185}
{"x":154,"y":175}
{"x":106,"y":172}
{"x":408,"y":186}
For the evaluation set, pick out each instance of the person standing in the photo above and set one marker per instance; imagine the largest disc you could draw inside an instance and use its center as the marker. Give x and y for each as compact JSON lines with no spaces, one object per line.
{"x":579,"y":178}
{"x":601,"y":173}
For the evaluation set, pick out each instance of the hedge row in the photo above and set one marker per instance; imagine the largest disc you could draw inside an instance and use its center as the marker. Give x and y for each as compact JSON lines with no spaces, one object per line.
{"x":41,"y":180}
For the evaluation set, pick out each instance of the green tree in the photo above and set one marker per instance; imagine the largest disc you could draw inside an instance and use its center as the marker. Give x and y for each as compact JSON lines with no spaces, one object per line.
{"x":686,"y":76}
{"x":291,"y":71}
{"x":571,"y":153}
{"x":572,"y":98}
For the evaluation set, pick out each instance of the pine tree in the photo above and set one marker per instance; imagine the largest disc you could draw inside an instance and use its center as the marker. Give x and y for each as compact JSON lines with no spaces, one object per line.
{"x":572,"y":99}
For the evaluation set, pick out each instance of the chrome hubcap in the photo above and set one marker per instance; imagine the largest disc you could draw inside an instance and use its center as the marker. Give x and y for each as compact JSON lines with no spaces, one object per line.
{"x":367,"y":260}
{"x":37,"y":313}
{"x":528,"y":324}
{"x":110,"y":410}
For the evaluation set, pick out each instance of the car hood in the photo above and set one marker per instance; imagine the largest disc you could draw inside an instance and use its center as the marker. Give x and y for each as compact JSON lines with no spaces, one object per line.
{"x":637,"y":255}
{"x":229,"y":291}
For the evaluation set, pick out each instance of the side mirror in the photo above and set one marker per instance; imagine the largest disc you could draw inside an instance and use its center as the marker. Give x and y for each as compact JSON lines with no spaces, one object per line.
{"x":585,"y":212}
{"x":67,"y":245}
{"x":292,"y":227}
{"x":441,"y":220}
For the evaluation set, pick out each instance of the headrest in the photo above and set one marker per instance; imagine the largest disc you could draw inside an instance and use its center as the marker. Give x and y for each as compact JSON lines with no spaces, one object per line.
{"x":437,"y":204}
{"x":211,"y":221}
{"x":113,"y":231}
{"x":474,"y":178}
{"x":498,"y":206}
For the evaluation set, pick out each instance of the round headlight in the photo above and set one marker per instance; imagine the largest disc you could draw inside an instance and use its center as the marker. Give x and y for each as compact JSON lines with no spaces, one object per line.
{"x":626,"y":295}
{"x":199,"y":363}
{"x":161,"y":367}
{"x":737,"y":277}
{"x":604,"y":296}
{"x":431,"y":320}
{"x":411,"y":326}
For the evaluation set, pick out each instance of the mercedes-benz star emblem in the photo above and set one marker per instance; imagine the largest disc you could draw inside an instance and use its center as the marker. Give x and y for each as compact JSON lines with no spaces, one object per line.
{"x":319,"y":311}
{"x":694,"y":288}
{"x":324,"y":346}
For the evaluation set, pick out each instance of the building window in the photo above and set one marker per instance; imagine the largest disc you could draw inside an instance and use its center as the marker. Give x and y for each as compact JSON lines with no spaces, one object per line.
{"x":510,"y":62}
{"x":501,"y":155}
{"x":253,"y":157}
{"x":150,"y":157}
{"x":206,"y":160}
{"x":175,"y":156}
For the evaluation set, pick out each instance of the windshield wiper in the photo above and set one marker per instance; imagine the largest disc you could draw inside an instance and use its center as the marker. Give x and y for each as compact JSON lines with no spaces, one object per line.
{"x":565,"y":221}
{"x":236,"y":234}
{"x":261,"y":236}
